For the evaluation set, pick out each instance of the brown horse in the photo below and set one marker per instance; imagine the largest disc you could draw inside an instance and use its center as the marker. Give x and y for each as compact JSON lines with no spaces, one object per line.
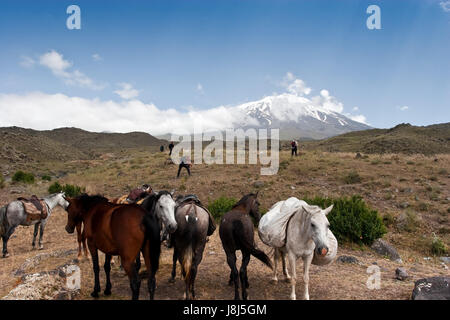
{"x":237,"y":233}
{"x":123,"y":230}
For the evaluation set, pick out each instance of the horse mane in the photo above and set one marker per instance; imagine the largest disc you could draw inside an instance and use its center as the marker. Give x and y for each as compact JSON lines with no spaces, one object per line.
{"x":150,"y":201}
{"x":86,"y":201}
{"x":244,"y":200}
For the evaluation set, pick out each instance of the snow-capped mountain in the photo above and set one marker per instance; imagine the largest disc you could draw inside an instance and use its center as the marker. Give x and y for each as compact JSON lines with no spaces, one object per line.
{"x":297,"y":116}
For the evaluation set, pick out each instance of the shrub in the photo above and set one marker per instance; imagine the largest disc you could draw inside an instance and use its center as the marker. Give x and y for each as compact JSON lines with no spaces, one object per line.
{"x":388,"y":219}
{"x":352,"y":177}
{"x":351,"y":220}
{"x":21,"y":176}
{"x":438,"y":247}
{"x":408,"y":221}
{"x":46,"y":178}
{"x":69,"y":189}
{"x":220,"y":206}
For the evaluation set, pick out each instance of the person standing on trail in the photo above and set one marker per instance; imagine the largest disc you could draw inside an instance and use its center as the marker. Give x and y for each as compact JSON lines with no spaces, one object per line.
{"x":294,"y":146}
{"x":171,"y":145}
{"x":185,"y":162}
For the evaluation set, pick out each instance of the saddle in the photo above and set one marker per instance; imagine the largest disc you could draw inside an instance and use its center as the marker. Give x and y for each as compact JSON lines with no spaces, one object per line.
{"x":193,"y":199}
{"x":35,"y":208}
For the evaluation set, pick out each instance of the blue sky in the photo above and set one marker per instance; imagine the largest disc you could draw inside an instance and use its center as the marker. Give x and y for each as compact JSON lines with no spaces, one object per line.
{"x":186,"y":55}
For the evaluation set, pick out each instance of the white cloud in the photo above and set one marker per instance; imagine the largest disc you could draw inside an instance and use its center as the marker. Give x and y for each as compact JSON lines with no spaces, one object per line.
{"x":294,"y":85}
{"x":200,"y":88}
{"x":26,"y":62}
{"x":445,"y":5}
{"x":49,"y":111}
{"x":127,"y":91}
{"x":96,"y":57}
{"x":359,"y":118}
{"x":355,"y":109}
{"x":404,"y":108}
{"x":54,"y":61}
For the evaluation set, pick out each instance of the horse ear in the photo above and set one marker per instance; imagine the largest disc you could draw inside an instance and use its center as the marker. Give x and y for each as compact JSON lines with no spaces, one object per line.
{"x":256,"y":196}
{"x":328,"y":210}
{"x":172,"y":192}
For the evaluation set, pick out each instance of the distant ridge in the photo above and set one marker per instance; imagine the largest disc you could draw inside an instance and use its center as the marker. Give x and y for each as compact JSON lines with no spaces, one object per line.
{"x":20,"y":145}
{"x":403,"y":138}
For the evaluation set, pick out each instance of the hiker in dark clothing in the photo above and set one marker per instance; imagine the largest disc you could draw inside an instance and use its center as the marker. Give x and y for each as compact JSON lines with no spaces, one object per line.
{"x":170,"y":148}
{"x":161,"y":148}
{"x":185,"y":162}
{"x":294,"y":146}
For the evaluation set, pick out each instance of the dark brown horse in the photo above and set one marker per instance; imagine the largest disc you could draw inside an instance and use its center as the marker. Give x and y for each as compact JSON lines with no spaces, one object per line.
{"x":194,"y":225}
{"x":237,"y":233}
{"x":123,"y":230}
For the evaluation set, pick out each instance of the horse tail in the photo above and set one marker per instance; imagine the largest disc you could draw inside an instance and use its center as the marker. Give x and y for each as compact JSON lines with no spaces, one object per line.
{"x":152,"y":233}
{"x":238,"y":231}
{"x":3,"y":221}
{"x":188,"y":237}
{"x":186,"y":262}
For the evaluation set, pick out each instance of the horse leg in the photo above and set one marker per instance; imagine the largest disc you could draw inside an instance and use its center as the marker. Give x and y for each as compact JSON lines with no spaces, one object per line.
{"x":285,"y":269}
{"x":107,"y":267}
{"x":79,"y":239}
{"x":174,"y":265}
{"x":231,"y":260}
{"x":41,"y":233}
{"x":129,"y":265}
{"x":276,"y":256}
{"x":35,"y":233}
{"x":138,"y":262}
{"x":292,"y":259}
{"x":151,"y":270}
{"x":5,"y":241}
{"x":96,"y":268}
{"x":243,"y":274}
{"x":306,"y":264}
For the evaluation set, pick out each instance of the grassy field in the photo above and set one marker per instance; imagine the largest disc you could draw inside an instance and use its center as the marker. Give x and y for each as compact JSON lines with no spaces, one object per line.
{"x":410,"y":192}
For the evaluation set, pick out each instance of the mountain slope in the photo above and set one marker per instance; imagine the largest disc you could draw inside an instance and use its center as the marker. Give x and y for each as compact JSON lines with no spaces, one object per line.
{"x":296,"y":117}
{"x":19,"y":145}
{"x":403,"y":138}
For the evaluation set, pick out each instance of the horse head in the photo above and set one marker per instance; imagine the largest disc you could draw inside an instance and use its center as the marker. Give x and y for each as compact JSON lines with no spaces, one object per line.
{"x":62,"y":201}
{"x":318,"y":228}
{"x":73,"y":213}
{"x":165,"y":210}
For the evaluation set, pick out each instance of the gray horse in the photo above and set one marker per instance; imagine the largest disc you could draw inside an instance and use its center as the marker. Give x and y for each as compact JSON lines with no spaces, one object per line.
{"x":13,"y":214}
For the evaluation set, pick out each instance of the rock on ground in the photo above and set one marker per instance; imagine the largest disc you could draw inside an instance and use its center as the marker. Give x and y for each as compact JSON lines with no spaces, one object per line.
{"x":347,"y":259}
{"x":434,"y":288}
{"x":401,"y":274}
{"x":385,"y":249}
{"x":62,"y":283}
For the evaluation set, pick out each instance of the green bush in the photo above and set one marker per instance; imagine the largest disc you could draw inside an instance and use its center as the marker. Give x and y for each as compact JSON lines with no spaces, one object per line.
{"x":46,"y":177}
{"x":221,"y":206}
{"x":351,"y":220}
{"x":438,"y":247}
{"x":352,"y":177}
{"x":69,"y":189}
{"x":21,"y":176}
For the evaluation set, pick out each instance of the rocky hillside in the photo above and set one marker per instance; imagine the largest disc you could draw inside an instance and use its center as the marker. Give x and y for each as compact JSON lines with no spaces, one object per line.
{"x":403,"y":138}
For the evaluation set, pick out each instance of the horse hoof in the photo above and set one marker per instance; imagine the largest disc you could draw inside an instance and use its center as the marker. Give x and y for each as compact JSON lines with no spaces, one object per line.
{"x":274,"y":280}
{"x":172,"y":280}
{"x":41,"y":247}
{"x":94,"y":294}
{"x":5,"y":255}
{"x":107,"y":292}
{"x":287,"y":279}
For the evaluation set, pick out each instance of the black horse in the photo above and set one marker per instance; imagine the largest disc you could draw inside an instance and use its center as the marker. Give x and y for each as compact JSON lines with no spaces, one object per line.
{"x":237,"y":233}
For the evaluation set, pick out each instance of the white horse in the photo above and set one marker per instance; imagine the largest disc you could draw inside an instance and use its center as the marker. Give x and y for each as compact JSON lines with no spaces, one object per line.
{"x":306,"y":235}
{"x":13,"y":214}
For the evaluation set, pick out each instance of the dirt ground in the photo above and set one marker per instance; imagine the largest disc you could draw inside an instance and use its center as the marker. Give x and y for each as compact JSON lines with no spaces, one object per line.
{"x":336,"y":281}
